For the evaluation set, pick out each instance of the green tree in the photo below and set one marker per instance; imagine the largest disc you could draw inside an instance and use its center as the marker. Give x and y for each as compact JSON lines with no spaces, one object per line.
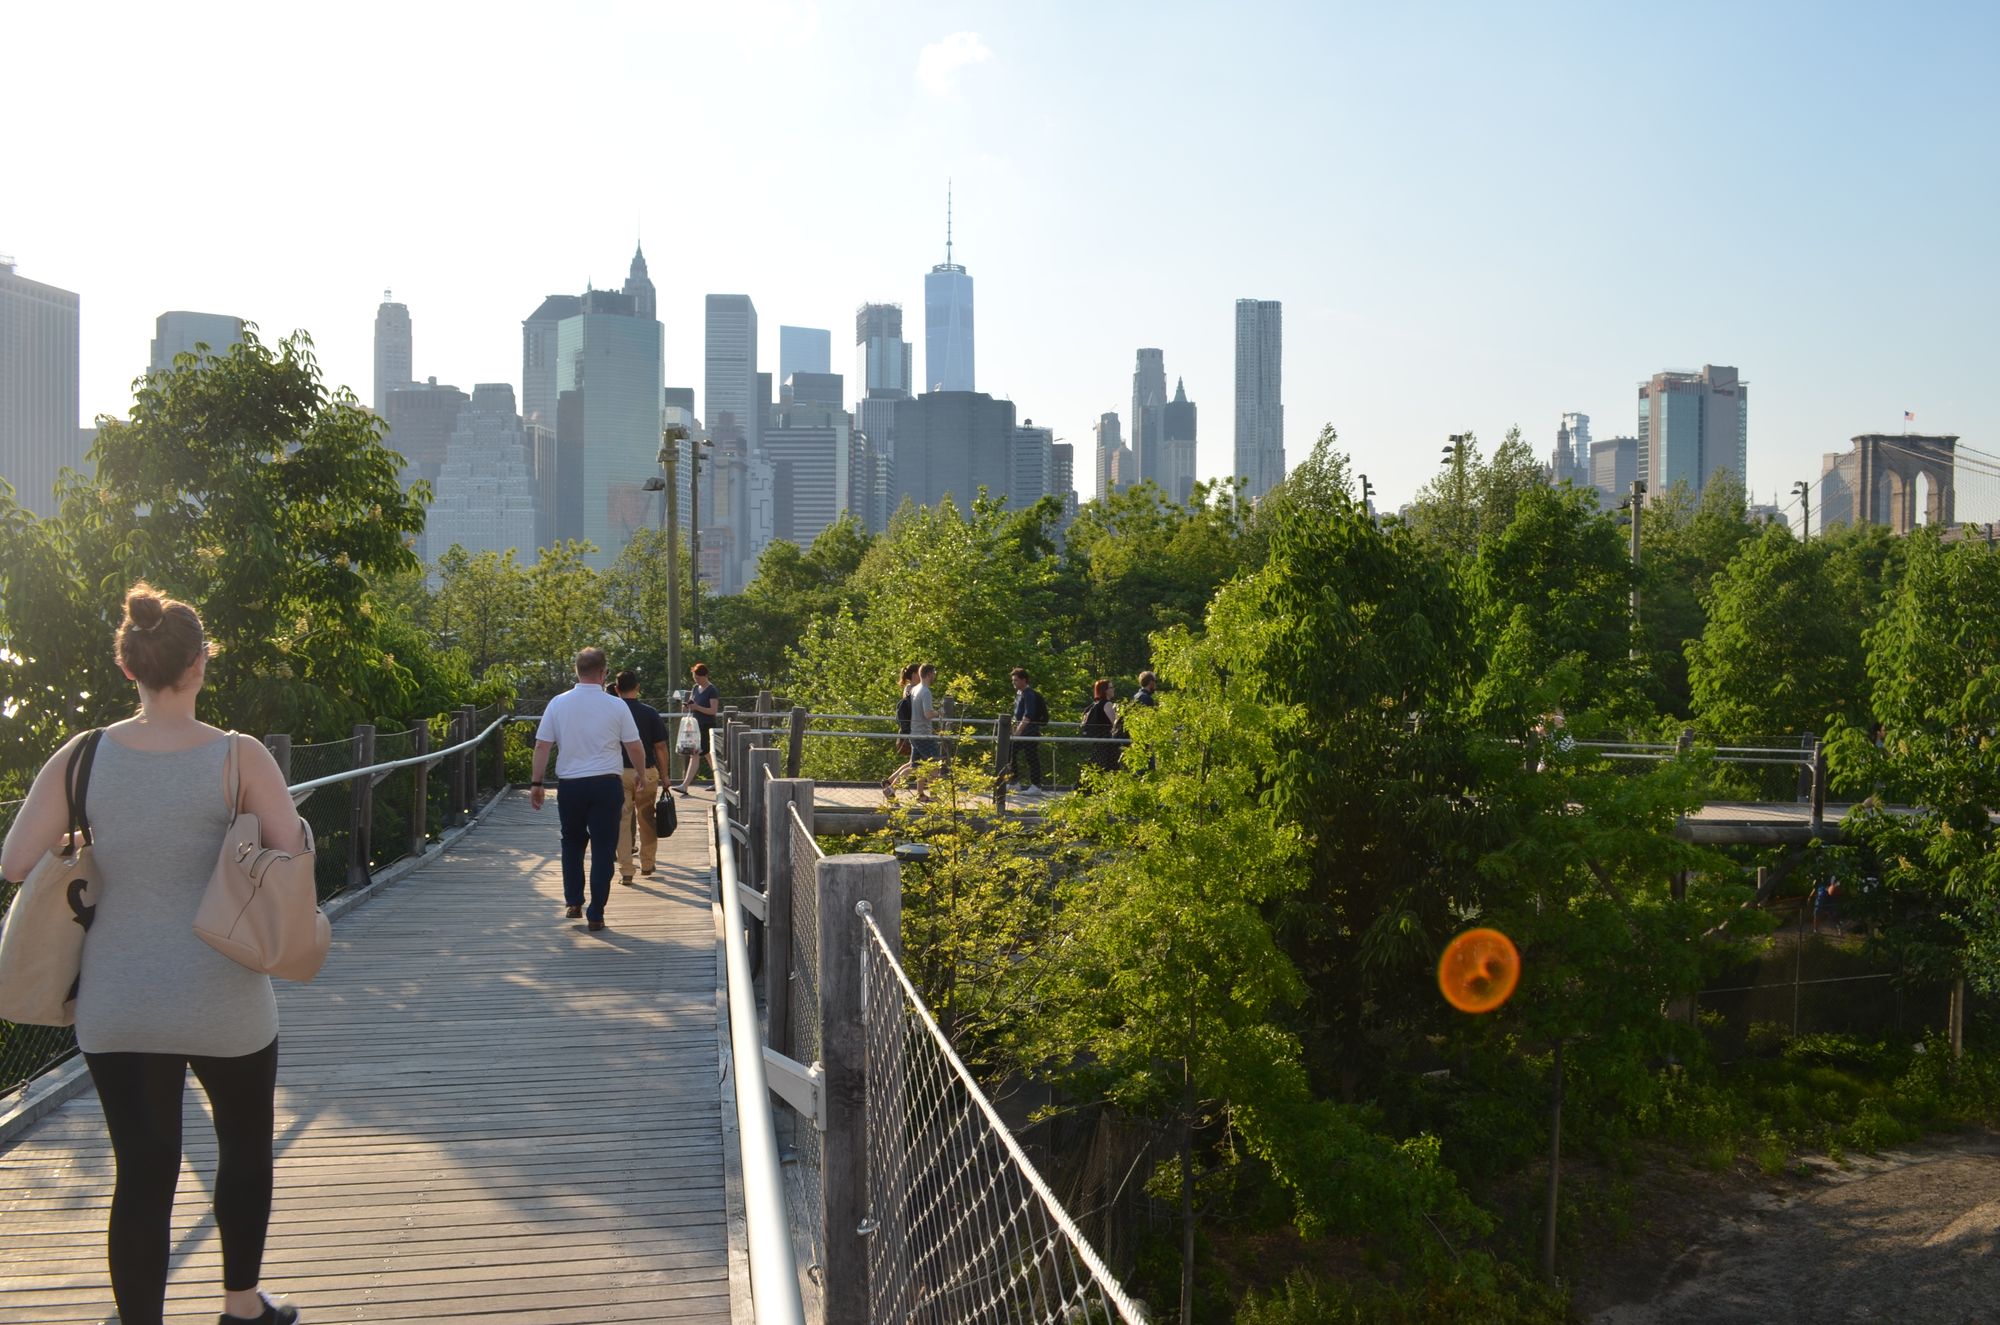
{"x":635,"y":602}
{"x":1780,"y":652}
{"x":478,"y":611}
{"x":242,"y":484}
{"x":563,"y":612}
{"x":1684,"y":543}
{"x":793,"y":588}
{"x":1934,"y":660}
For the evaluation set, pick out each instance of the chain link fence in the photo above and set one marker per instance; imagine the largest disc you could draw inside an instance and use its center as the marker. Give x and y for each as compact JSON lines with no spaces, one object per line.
{"x":805,"y":1155}
{"x":965,"y":1229}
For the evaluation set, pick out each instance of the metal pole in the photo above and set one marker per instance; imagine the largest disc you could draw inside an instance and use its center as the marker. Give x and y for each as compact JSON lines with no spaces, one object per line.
{"x":1555,"y":1165}
{"x":694,"y":547}
{"x":1638,"y":491}
{"x":420,"y":795}
{"x":670,"y":516}
{"x":361,"y":808}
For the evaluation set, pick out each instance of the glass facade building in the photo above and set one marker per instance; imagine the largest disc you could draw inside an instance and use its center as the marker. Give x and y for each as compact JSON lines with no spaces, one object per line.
{"x":609,"y":369}
{"x":1693,"y":427}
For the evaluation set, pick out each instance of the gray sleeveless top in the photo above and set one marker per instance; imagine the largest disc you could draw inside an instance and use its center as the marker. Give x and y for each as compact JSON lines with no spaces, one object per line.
{"x":149,"y":985}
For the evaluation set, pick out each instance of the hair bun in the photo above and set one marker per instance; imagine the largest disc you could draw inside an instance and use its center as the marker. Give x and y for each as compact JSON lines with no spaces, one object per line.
{"x":144,"y":607}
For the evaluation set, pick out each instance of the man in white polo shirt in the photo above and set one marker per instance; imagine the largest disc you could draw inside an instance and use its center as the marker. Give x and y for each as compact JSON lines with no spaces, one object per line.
{"x":588,"y":725}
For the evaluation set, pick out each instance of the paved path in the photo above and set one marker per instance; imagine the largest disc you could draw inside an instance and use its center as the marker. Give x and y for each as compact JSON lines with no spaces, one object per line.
{"x":484,"y":1111}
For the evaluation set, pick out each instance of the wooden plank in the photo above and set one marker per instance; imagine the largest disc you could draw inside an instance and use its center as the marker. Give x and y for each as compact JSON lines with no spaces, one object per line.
{"x":483,"y":1110}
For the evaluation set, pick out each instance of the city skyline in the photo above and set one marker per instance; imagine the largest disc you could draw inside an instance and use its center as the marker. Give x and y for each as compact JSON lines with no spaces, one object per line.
{"x":1436,"y":269}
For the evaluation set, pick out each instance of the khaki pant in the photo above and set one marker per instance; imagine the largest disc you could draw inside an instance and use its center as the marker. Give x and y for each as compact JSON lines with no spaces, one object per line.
{"x":642,"y":788}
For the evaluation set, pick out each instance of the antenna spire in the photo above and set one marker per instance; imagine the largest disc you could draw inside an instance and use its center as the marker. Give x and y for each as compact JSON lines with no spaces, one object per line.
{"x":947,"y":222}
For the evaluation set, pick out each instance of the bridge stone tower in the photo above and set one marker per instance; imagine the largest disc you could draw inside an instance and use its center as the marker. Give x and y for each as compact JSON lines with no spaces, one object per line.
{"x":1887,"y":470}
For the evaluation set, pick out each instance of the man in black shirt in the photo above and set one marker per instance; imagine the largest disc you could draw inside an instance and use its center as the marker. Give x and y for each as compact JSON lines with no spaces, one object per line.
{"x":1030,"y":712}
{"x":642,"y":785}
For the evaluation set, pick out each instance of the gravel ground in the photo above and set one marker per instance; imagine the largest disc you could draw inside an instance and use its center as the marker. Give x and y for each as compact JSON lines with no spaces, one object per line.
{"x":1911,"y":1235}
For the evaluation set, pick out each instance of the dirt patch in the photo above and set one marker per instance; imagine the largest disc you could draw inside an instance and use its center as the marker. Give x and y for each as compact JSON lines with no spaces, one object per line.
{"x":1910,"y":1235}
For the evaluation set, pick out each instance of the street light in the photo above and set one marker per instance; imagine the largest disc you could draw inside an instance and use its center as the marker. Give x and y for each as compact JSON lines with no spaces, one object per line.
{"x":1803,"y":491}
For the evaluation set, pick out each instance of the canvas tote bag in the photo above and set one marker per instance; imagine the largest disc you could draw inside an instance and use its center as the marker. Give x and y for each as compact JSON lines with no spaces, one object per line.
{"x":261,"y":908}
{"x":41,"y":946}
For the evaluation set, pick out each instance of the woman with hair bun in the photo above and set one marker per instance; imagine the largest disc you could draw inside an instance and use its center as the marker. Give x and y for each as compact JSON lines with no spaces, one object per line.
{"x":153,"y":1000}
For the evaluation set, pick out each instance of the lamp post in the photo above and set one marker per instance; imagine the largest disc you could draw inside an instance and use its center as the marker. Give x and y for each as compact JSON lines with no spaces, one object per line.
{"x":1454,"y":459}
{"x":1804,"y":492}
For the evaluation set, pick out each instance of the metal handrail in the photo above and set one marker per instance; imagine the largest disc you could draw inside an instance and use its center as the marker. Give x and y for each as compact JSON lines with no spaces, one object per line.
{"x":392,"y":765}
{"x":774,"y":1267}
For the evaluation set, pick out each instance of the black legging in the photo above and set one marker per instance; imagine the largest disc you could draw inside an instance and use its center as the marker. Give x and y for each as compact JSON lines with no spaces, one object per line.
{"x":142,"y":1107}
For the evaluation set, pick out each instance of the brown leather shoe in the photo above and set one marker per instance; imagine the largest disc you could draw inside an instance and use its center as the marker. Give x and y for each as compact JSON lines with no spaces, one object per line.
{"x":596,"y":925}
{"x":572,"y":913}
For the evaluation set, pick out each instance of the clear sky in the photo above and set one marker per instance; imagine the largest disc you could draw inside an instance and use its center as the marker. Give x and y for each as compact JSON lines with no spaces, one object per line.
{"x":1476,"y":215}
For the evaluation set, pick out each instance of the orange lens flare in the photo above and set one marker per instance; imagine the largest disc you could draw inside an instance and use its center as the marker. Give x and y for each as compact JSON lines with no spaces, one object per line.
{"x":1479,"y":970}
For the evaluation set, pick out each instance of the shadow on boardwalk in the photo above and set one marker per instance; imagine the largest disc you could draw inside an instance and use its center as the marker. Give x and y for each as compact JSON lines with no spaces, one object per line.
{"x":483,"y":1109}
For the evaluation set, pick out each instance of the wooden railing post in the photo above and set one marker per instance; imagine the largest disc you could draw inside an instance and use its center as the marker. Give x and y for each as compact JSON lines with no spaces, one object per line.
{"x":763,"y":706}
{"x":795,"y":745}
{"x":757,"y":760}
{"x":361,"y":808}
{"x":781,"y":796}
{"x":420,"y":793}
{"x":1003,"y":757}
{"x":844,"y":881}
{"x":468,"y":762}
{"x":280,"y":746}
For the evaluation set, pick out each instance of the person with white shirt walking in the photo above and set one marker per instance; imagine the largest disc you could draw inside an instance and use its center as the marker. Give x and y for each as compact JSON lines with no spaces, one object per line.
{"x":588,"y":725}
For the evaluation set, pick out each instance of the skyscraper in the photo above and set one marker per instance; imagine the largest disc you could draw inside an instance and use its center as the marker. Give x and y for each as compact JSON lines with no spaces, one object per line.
{"x":1570,"y":461}
{"x":609,"y":371}
{"x":1614,"y":463}
{"x":1149,"y":397}
{"x":40,"y":387}
{"x":485,"y":489}
{"x":1031,"y":477}
{"x":538,"y":357}
{"x":1062,"y":479}
{"x":645,"y":300}
{"x":393,"y":351}
{"x":1177,"y":445}
{"x":730,"y":398}
{"x":1109,"y":443}
{"x":421,"y":416}
{"x":178,"y":333}
{"x":948,"y":321}
{"x":881,"y":355}
{"x":803,"y":350}
{"x":1692,"y":427}
{"x":1260,"y":408}
{"x":951,"y":443}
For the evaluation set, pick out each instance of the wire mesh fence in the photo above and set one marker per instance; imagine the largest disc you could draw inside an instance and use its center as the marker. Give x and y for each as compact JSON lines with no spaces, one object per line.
{"x":965,"y":1230}
{"x":803,"y":1186}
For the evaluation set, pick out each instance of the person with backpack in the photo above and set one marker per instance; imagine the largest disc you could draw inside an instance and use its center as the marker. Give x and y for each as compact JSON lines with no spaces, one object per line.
{"x":904,"y":708}
{"x":1031,"y":713}
{"x":1100,"y":724}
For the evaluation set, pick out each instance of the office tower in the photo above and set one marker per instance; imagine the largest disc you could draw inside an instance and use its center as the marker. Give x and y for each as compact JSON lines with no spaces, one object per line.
{"x":1109,"y":444}
{"x":1062,"y":480}
{"x":394,"y":359}
{"x":484,"y":499}
{"x":40,"y":387}
{"x":608,"y":413}
{"x":1260,"y":395}
{"x":1614,"y":463}
{"x":730,"y":397}
{"x":948,"y":321}
{"x":1149,"y":397}
{"x":881,"y":355}
{"x":538,"y":443}
{"x":175,"y":334}
{"x":538,"y":357}
{"x":1570,"y":461}
{"x":1692,"y":427}
{"x":1030,"y":478}
{"x":951,"y":443}
{"x":639,"y":287}
{"x":421,"y":418}
{"x":804,"y":350}
{"x":1177,"y":446}
{"x":803,"y":388}
{"x":810,"y":448}
{"x":1579,"y":435}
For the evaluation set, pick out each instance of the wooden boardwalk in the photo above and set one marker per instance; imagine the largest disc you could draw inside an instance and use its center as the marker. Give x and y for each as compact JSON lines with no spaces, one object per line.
{"x":484,"y":1112}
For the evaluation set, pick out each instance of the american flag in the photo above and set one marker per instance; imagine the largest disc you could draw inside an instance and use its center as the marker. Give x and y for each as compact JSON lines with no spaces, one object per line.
{"x":1909,"y":416}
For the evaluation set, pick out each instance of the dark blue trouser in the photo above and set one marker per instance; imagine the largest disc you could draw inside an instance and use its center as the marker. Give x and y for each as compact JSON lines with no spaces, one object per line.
{"x":589,"y":810}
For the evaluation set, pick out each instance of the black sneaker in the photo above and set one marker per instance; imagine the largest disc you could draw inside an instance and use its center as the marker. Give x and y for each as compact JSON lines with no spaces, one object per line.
{"x":274,"y":1313}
